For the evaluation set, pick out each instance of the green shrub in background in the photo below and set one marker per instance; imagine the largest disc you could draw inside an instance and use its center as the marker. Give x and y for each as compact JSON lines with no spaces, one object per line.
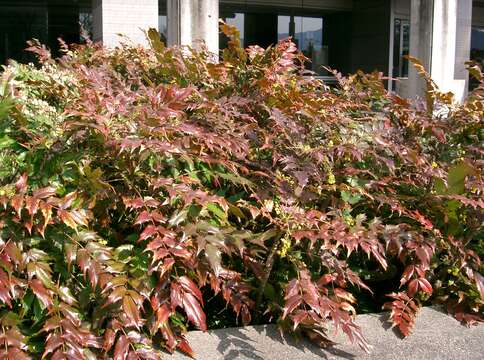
{"x":143,"y":189}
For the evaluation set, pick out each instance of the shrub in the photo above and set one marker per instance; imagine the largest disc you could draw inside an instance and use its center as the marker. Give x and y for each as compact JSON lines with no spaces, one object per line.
{"x":141,"y":185}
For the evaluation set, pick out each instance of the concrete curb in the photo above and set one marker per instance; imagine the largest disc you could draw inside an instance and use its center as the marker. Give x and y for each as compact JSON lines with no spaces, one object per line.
{"x":436,"y":336}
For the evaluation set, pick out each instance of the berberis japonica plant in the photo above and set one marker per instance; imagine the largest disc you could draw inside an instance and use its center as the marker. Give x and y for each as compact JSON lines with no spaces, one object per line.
{"x":145,"y":192}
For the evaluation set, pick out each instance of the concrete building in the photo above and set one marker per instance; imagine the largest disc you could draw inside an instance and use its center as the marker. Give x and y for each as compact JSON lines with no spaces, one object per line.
{"x":344,"y":34}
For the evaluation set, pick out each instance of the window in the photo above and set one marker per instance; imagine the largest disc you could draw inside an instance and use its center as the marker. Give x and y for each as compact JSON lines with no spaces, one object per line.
{"x":237,"y":20}
{"x":401,"y":47}
{"x":163,"y":27}
{"x":268,"y":28}
{"x":307,"y":33}
{"x":85,"y":22}
{"x":162,"y":20}
{"x":477,"y":51}
{"x":324,"y":36}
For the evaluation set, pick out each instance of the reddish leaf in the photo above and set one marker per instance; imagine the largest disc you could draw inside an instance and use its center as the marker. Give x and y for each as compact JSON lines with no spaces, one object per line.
{"x":54,"y":341}
{"x":189,"y":286}
{"x":13,"y":337}
{"x":407,"y":274}
{"x":169,"y":337}
{"x":413,"y":287}
{"x":44,"y":192}
{"x":122,"y":348}
{"x":131,"y":310}
{"x":149,"y":231}
{"x":299,"y":317}
{"x":403,"y":312}
{"x":345,"y":295}
{"x":79,"y":217}
{"x":325,"y":279}
{"x":425,"y":286}
{"x":52,"y":323}
{"x":424,"y":254}
{"x":194,"y":311}
{"x":21,"y":184}
{"x":479,"y":279}
{"x":423,"y":220}
{"x":46,"y":210}
{"x":41,"y":292}
{"x":67,"y":218}
{"x":185,"y":348}
{"x":13,"y":252}
{"x":162,"y":314}
{"x":32,"y":204}
{"x":291,"y":304}
{"x":143,"y":217}
{"x":109,"y":337}
{"x":17,"y":202}
{"x":67,"y":200}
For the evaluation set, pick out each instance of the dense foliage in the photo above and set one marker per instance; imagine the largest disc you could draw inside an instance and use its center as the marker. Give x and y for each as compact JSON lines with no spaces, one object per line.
{"x":142,"y":189}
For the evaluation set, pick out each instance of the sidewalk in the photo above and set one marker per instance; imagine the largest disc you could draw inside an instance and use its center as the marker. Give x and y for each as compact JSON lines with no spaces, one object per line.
{"x":436,"y":336}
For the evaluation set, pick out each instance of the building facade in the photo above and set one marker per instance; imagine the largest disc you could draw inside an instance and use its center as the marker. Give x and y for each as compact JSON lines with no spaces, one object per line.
{"x":346,"y":35}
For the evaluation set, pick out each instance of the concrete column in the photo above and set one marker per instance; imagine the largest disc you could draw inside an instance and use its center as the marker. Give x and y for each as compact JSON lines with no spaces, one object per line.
{"x":463,"y":41}
{"x":191,"y":22}
{"x":127,"y":17}
{"x":437,"y":29}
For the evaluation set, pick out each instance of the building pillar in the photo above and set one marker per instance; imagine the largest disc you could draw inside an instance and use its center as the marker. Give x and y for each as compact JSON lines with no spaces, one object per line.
{"x":463,"y":40}
{"x":192,"y":22}
{"x":127,"y":17}
{"x":440,"y":37}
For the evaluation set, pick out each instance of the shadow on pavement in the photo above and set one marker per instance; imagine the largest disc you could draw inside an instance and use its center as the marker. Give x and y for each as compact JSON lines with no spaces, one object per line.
{"x":235,"y":342}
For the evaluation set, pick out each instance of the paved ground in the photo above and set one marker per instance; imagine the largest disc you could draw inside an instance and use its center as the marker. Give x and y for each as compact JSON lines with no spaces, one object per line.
{"x":436,"y":336}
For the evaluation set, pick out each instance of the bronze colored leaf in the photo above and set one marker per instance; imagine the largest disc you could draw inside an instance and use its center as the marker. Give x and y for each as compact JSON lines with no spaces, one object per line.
{"x":41,"y":292}
{"x":67,"y":218}
{"x":122,"y":348}
{"x":109,"y":338}
{"x":44,"y":192}
{"x":54,"y":341}
{"x":479,"y":279}
{"x":185,"y":348}
{"x":21,"y":184}
{"x":188,"y":285}
{"x":131,"y":310}
{"x":194,"y":311}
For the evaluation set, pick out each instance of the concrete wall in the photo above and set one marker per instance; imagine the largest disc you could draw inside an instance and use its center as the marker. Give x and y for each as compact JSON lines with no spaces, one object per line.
{"x":440,"y":38}
{"x":191,"y":22}
{"x":463,"y":39}
{"x":127,"y":17}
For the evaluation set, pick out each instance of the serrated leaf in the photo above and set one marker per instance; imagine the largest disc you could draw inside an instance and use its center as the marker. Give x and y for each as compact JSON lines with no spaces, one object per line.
{"x":66,"y":295}
{"x":178,"y":217}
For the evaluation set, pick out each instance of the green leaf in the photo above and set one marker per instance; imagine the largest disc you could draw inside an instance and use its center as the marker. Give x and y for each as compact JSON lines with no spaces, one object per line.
{"x":236,"y":179}
{"x":269,"y":292}
{"x":217,"y":211}
{"x":123,"y":252}
{"x":6,"y":141}
{"x":5,"y":105}
{"x":456,"y":177}
{"x":236,"y":211}
{"x":9,"y":319}
{"x":350,"y":198}
{"x":439,"y":186}
{"x":155,"y":40}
